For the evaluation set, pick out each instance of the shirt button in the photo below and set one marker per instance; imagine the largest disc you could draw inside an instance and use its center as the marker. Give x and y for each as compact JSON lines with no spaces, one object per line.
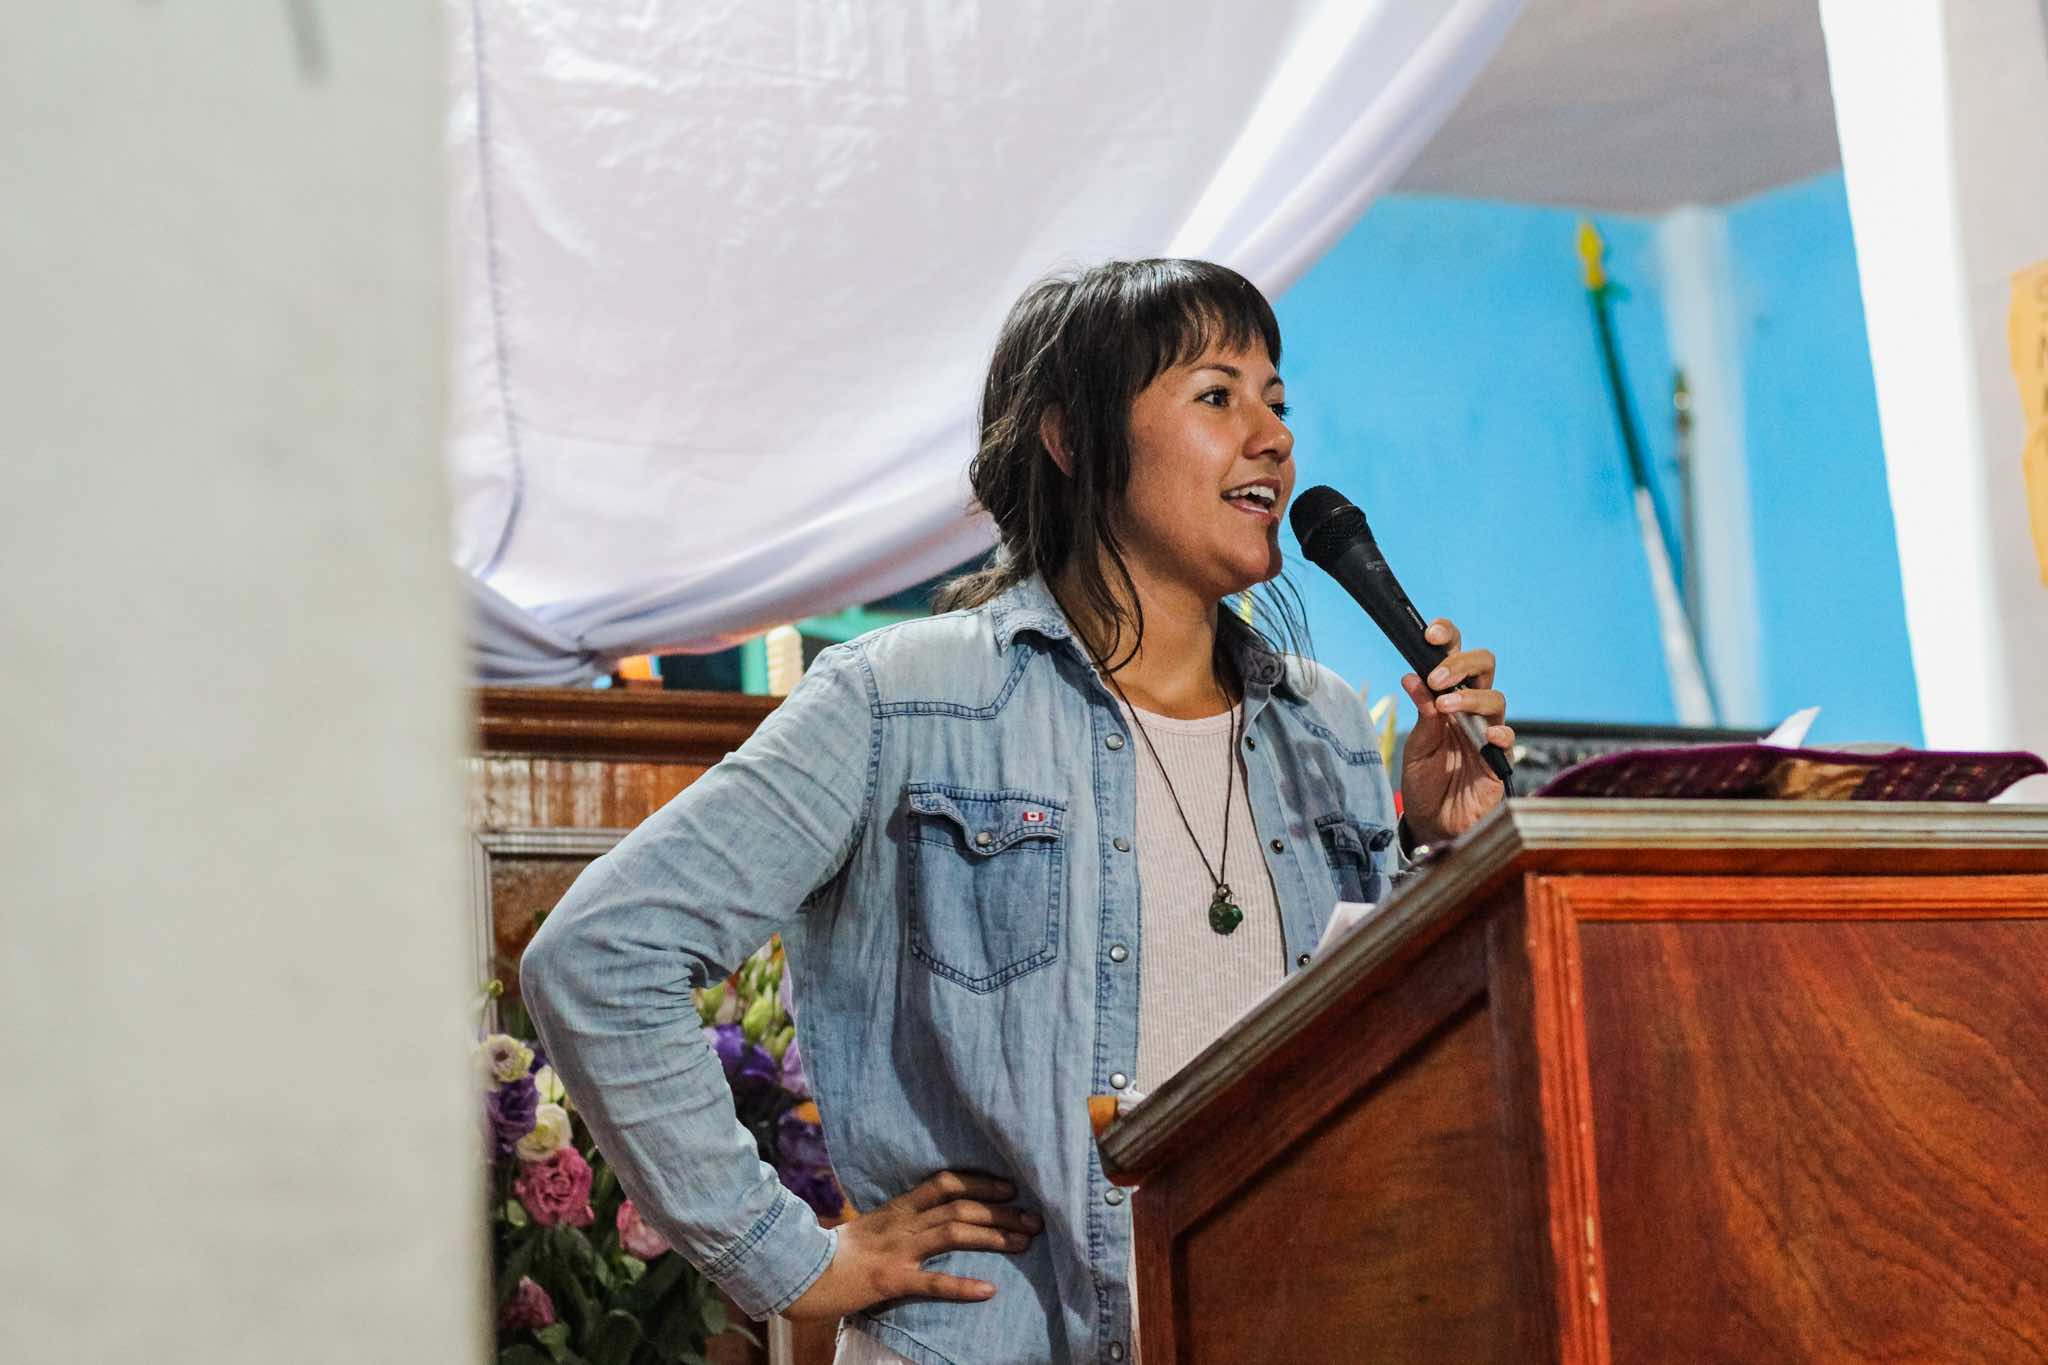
{"x":984,"y":838}
{"x":1279,"y":845}
{"x":1250,"y":743}
{"x":1301,"y":961}
{"x":1114,"y":742}
{"x":1118,"y":1080}
{"x":1116,"y":1350}
{"x":1117,"y":952}
{"x":1113,"y":1195}
{"x":1123,"y":845}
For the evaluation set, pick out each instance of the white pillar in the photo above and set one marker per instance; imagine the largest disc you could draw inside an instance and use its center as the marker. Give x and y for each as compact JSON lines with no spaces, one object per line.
{"x":234,"y":957}
{"x":1942,"y":109}
{"x":1697,"y":269}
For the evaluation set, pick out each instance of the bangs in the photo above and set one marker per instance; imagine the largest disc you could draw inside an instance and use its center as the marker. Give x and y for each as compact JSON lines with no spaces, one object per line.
{"x":1181,"y":309}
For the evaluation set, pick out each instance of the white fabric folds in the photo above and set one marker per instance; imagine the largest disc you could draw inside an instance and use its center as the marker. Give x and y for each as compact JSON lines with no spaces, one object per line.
{"x":730,"y":273}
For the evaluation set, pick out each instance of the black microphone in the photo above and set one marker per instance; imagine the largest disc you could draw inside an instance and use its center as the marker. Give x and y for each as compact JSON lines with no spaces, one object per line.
{"x":1334,"y":536}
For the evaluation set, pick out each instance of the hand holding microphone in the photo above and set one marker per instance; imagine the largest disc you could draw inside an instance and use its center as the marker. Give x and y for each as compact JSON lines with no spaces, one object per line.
{"x":1448,"y":782}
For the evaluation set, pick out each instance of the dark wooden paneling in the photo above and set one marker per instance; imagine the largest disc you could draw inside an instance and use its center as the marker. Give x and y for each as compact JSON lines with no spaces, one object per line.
{"x":1726,"y":899}
{"x":1823,"y":1139}
{"x":1380,"y":1236}
{"x":523,"y":889}
{"x":578,"y":758}
{"x":1301,"y":1210}
{"x":669,"y":727}
{"x":1546,"y":1112}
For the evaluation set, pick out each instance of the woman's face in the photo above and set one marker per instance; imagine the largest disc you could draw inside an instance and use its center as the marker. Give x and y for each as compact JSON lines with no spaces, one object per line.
{"x":1207,"y":439}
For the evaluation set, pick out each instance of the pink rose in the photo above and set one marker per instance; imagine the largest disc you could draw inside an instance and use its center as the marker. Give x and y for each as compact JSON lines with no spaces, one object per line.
{"x":528,"y":1308}
{"x":636,"y":1237}
{"x":557,"y":1190}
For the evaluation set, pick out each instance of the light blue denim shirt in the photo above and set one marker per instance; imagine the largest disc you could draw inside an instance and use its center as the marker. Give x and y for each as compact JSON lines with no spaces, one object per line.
{"x":939,"y":820}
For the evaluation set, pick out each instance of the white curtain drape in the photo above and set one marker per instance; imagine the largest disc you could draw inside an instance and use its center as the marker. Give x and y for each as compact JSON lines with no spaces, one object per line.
{"x":729,"y":274}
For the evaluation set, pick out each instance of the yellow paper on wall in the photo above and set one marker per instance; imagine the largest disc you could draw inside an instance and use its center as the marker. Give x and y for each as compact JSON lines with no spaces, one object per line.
{"x":2029,"y":334}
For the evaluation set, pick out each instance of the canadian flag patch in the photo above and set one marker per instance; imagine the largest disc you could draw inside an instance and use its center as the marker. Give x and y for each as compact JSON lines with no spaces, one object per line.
{"x":1034,"y":817}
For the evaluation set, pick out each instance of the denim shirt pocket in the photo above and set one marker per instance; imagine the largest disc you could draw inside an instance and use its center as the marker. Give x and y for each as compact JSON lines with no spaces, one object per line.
{"x":1352,"y":848}
{"x":987,"y":882}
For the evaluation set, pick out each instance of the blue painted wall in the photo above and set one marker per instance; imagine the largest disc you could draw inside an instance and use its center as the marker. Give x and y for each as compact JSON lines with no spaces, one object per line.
{"x":1443,"y":370}
{"x":1832,"y":619}
{"x":1442,"y":365}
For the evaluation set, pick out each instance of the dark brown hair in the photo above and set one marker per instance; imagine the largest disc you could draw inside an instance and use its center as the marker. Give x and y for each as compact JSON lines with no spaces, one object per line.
{"x":1083,"y":345}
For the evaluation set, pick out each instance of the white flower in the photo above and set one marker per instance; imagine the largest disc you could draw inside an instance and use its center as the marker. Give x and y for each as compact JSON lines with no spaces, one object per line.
{"x":550,"y":1087}
{"x":550,"y":1134}
{"x":503,"y":1059}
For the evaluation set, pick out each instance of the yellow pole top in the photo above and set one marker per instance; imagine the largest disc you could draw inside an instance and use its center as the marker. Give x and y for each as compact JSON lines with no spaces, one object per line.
{"x":1592,"y":250}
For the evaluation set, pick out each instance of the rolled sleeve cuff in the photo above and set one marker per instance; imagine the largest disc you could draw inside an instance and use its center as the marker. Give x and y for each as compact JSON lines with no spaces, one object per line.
{"x":780,"y":1257}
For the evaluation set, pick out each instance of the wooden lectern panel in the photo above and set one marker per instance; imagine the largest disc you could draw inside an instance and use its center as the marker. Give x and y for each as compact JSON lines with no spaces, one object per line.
{"x":1361,"y":1183}
{"x":1298,"y":1267}
{"x":1822,"y":1121}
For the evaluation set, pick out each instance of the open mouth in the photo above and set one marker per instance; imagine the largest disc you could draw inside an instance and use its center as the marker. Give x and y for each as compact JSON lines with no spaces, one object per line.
{"x":1256,"y":498}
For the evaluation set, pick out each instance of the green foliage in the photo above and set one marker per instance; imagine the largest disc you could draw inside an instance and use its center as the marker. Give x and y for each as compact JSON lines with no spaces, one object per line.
{"x":556,"y":1339}
{"x":612,"y":1340}
{"x":758,"y":1016}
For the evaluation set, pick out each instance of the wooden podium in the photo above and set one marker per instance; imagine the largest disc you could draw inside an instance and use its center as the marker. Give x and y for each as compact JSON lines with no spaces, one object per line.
{"x":1632,"y":1081}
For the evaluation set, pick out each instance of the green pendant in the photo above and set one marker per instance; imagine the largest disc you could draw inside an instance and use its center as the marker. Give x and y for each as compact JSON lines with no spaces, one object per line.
{"x":1224,"y":915}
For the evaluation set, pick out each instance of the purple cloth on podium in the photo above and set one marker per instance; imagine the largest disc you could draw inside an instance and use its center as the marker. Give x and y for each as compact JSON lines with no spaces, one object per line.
{"x":1762,"y":772}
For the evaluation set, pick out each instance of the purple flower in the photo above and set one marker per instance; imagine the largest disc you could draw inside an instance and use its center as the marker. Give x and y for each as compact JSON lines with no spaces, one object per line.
{"x":728,"y":1042}
{"x":747,"y":1065}
{"x":511,"y":1109}
{"x":757,"y":1067}
{"x":817,"y":1188}
{"x":793,"y":1078}
{"x":540,"y":1055}
{"x":802,"y":1162}
{"x":799,"y":1141}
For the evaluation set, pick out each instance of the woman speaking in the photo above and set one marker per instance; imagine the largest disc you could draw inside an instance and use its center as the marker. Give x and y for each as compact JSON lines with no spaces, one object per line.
{"x":1044,"y":845}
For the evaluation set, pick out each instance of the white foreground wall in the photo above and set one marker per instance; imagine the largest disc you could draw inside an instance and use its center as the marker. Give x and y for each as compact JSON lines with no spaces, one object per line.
{"x":1942,"y":109}
{"x":233,"y":951}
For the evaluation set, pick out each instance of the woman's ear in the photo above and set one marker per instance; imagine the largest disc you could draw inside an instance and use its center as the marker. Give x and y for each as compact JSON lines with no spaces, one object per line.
{"x":1052,"y":434}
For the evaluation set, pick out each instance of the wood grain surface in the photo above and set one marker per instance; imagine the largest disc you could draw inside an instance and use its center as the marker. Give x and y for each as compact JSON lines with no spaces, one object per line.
{"x":1823,"y":1139}
{"x":2018,"y":896}
{"x":523,"y":889}
{"x":1546,"y":1111}
{"x":669,"y":727}
{"x":520,"y":791}
{"x":584,"y":758}
{"x":1381,"y":1235}
{"x":1352,"y":1191}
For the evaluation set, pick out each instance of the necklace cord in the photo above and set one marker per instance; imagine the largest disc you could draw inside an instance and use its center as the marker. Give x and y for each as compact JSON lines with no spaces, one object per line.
{"x":1229,"y":782}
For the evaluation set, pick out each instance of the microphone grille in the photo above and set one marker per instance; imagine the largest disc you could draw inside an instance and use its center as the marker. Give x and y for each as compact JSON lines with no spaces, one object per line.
{"x":1324,"y":521}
